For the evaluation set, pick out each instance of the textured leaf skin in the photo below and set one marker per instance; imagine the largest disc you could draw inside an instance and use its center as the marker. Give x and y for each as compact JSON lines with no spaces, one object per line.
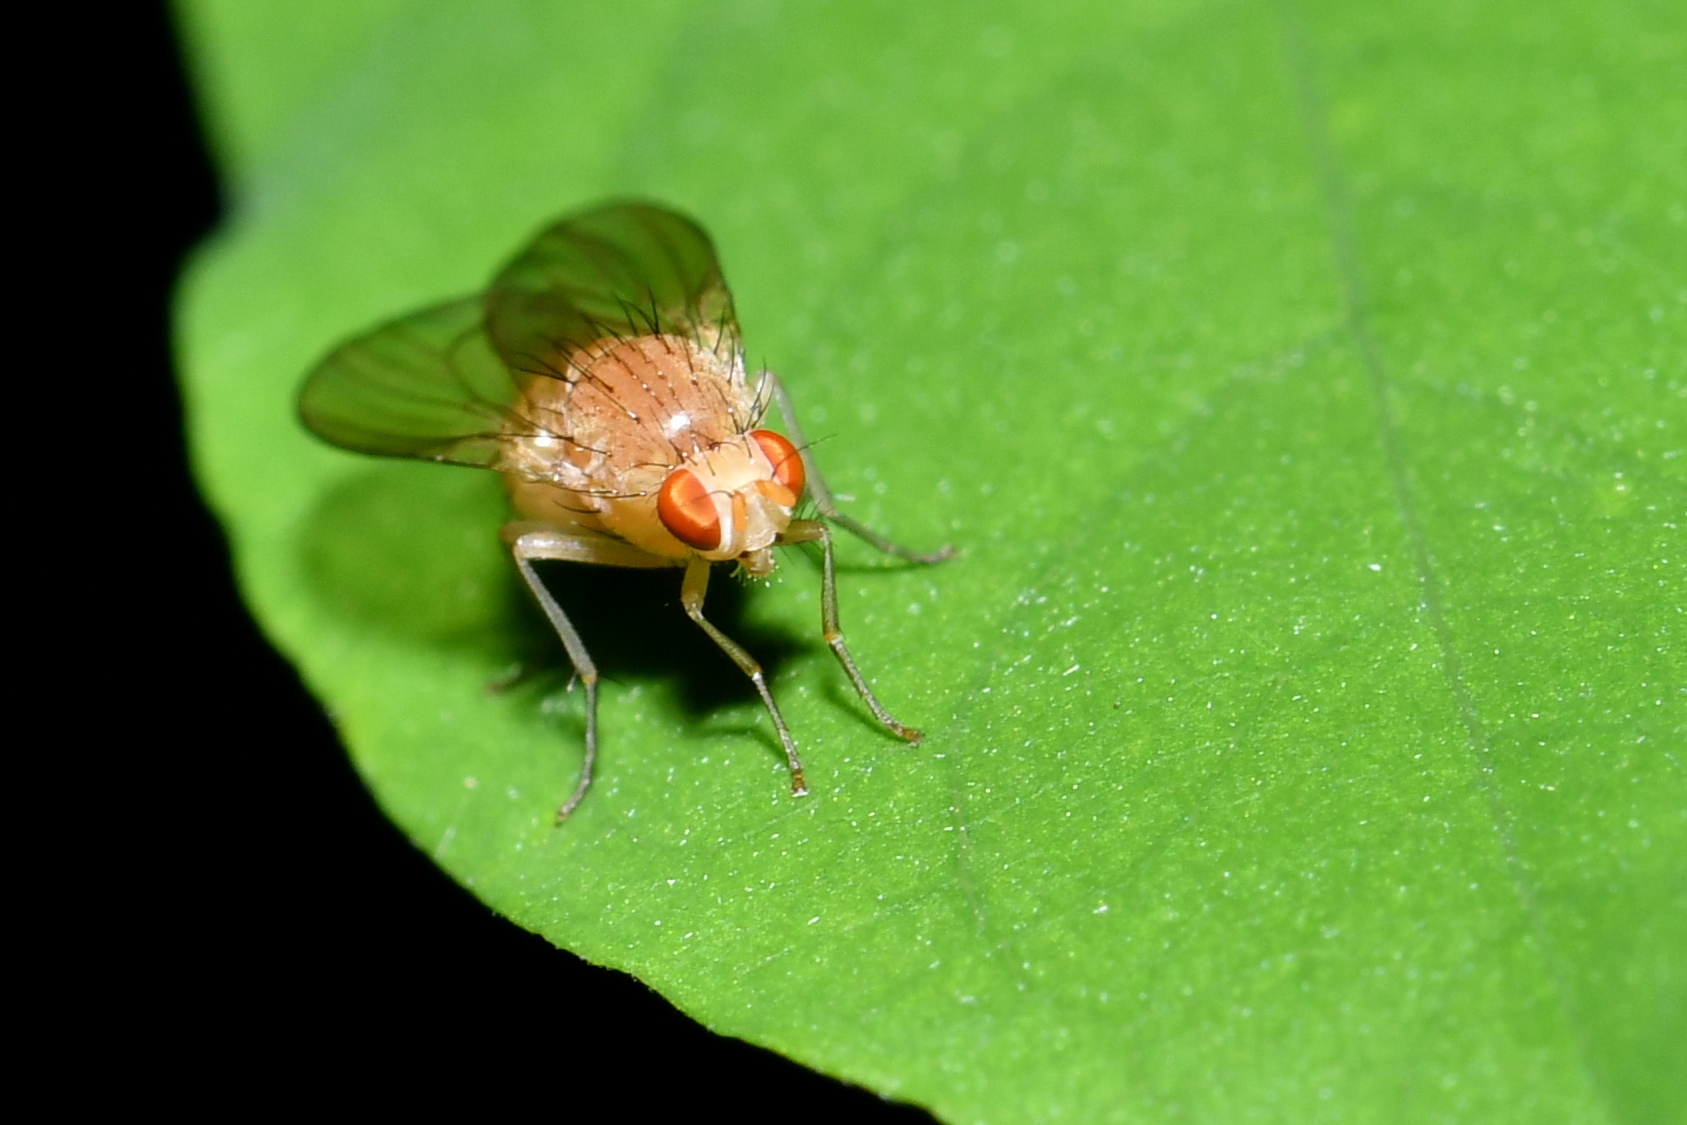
{"x":1304,"y":385}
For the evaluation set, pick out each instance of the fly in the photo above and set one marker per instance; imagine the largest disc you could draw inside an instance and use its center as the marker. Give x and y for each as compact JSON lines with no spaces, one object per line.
{"x":603,"y":376}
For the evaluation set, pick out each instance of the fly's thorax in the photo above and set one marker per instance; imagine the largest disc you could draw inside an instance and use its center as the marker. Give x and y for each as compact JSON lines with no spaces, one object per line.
{"x":620,"y":410}
{"x":652,"y":439}
{"x":594,"y":436}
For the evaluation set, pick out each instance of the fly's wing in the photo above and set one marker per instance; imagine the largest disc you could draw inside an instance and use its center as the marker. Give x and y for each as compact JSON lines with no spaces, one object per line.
{"x":618,"y":271}
{"x":426,"y":385}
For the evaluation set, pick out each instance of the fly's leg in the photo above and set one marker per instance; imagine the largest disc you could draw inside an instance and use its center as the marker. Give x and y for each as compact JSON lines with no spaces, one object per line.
{"x":528,"y":542}
{"x":696,"y":584}
{"x":829,"y":508}
{"x":811,"y":531}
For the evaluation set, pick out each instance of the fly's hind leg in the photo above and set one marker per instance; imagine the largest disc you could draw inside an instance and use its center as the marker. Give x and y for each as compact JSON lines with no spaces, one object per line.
{"x":529,"y":542}
{"x":823,"y":495}
{"x":811,"y":531}
{"x":691,"y":596}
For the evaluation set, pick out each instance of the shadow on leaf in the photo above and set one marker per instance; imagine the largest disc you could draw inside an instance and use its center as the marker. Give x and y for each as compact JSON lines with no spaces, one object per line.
{"x":635,"y":629}
{"x":412,"y":550}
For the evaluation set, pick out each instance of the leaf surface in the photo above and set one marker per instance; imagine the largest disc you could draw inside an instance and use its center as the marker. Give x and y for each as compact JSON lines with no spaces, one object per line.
{"x":1304,"y":386}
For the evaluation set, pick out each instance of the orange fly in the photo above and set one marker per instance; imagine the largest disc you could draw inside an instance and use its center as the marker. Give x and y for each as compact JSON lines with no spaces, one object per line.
{"x":603,"y":376}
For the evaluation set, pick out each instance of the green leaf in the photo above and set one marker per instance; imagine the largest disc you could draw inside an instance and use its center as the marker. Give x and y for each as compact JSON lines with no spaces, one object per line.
{"x":1304,"y":387}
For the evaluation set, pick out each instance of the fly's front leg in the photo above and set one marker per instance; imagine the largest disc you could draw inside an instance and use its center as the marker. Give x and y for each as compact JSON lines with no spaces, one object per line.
{"x":691,"y":596}
{"x":527,"y":543}
{"x":810,"y":531}
{"x":823,"y":495}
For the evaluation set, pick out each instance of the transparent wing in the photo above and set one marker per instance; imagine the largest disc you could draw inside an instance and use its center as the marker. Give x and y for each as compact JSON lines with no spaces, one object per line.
{"x":617,"y":271}
{"x":426,"y":385}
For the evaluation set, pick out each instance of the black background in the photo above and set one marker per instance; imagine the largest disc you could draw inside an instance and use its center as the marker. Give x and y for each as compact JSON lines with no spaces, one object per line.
{"x":255,"y":918}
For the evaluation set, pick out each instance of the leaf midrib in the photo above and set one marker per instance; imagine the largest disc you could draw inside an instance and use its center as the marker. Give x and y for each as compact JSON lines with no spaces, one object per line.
{"x":1336,"y":206}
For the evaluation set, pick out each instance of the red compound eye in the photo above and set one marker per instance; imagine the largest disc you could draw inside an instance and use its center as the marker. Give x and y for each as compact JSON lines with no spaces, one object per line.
{"x":688,"y":511}
{"x":787,"y":463}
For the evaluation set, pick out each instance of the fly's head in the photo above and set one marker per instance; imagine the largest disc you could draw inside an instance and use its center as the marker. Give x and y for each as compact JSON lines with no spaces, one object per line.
{"x":733,"y":501}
